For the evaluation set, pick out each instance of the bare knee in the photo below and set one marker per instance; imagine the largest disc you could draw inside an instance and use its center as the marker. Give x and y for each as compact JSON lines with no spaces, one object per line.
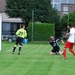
{"x":51,"y":53}
{"x":60,"y":52}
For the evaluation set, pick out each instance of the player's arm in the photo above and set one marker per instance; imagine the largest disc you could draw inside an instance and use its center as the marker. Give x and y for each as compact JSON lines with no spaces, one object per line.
{"x":68,"y":27}
{"x":68,"y":34}
{"x":25,"y":35}
{"x":17,"y":33}
{"x":62,"y":42}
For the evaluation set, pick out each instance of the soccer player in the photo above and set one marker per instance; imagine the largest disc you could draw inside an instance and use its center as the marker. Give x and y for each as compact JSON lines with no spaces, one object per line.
{"x":70,"y":42}
{"x":54,"y":44}
{"x":21,"y":34}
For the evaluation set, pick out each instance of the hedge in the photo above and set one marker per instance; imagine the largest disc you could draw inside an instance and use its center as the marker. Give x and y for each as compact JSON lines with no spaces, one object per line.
{"x":41,"y":31}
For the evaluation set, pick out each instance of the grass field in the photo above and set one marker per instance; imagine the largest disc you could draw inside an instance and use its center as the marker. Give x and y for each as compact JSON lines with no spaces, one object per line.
{"x":34,"y":60}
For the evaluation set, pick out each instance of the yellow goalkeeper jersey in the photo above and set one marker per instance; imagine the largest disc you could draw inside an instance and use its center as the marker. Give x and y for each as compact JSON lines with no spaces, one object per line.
{"x":21,"y":33}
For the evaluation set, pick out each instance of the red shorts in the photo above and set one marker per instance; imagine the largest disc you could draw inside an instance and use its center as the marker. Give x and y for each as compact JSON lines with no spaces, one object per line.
{"x":69,"y":45}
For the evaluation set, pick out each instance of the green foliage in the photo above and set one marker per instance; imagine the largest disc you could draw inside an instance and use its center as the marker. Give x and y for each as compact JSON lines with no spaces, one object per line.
{"x":43,"y":10}
{"x":41,"y":31}
{"x":72,"y":18}
{"x":68,"y":19}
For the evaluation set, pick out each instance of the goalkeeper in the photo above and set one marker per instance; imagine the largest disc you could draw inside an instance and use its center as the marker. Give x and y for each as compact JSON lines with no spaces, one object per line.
{"x":21,"y":34}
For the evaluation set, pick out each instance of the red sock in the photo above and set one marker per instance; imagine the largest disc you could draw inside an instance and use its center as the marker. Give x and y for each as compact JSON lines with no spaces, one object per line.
{"x":64,"y":56}
{"x":72,"y":51}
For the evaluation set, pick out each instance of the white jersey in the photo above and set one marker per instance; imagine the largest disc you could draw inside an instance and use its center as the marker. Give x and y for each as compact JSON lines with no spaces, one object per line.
{"x":72,"y":35}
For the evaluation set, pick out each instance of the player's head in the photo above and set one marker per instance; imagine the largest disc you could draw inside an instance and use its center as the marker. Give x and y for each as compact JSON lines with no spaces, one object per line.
{"x":72,"y":26}
{"x":51,"y":38}
{"x":22,"y":26}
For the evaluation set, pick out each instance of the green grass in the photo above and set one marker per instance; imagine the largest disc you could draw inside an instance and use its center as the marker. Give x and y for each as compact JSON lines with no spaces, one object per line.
{"x":34,"y":60}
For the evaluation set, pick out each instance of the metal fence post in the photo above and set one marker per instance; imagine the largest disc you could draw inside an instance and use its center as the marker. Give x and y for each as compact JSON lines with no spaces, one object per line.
{"x":32,"y":23}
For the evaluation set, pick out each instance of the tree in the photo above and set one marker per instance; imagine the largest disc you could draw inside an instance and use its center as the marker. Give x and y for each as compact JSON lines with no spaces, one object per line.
{"x":43,"y":10}
{"x":68,"y":19}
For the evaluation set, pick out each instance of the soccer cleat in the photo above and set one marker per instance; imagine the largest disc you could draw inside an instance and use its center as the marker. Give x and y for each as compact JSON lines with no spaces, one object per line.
{"x":12,"y":52}
{"x":63,"y":58}
{"x":18,"y":53}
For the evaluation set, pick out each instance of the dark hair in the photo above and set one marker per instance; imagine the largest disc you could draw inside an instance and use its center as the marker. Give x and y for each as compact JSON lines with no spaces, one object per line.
{"x":72,"y":26}
{"x":22,"y":25}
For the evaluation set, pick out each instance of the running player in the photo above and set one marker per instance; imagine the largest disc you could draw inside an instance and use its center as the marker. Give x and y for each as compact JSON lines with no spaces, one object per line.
{"x":70,"y":42}
{"x":21,"y":34}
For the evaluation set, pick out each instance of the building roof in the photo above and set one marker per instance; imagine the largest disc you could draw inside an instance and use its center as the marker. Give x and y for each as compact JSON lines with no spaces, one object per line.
{"x":2,"y":5}
{"x":5,"y":17}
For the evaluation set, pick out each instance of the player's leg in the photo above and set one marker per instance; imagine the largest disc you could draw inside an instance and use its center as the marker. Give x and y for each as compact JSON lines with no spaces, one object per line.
{"x":60,"y":52}
{"x":64,"y":53}
{"x":14,"y":48}
{"x":52,"y":51}
{"x":19,"y":49}
{"x":71,"y":49}
{"x":20,"y":46}
{"x":67,"y":45}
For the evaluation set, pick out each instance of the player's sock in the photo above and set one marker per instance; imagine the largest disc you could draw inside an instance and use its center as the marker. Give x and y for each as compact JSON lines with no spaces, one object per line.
{"x":64,"y":55}
{"x":19,"y":49}
{"x":72,"y":51}
{"x":14,"y":49}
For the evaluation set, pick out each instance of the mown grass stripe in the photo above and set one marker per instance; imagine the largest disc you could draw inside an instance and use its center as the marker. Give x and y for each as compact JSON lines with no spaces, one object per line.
{"x":34,"y":60}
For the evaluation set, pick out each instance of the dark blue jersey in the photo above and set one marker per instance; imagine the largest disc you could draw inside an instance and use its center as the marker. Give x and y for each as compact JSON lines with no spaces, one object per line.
{"x":54,"y":43}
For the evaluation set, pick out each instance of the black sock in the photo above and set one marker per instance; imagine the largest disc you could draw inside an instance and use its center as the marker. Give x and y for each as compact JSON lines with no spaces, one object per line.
{"x":19,"y":49}
{"x":14,"y":49}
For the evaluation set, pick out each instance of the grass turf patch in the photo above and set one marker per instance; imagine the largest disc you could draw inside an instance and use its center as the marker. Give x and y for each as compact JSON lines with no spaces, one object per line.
{"x":34,"y":60}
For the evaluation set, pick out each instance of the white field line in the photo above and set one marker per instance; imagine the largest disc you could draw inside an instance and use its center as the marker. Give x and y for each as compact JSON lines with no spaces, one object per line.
{"x":8,"y":50}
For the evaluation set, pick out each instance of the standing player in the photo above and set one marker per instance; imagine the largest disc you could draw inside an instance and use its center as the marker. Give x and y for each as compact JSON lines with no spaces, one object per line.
{"x":54,"y":44}
{"x":70,"y":42}
{"x":21,"y":34}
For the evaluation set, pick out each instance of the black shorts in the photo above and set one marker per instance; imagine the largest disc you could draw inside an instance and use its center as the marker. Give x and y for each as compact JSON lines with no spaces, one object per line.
{"x":55,"y":49}
{"x":19,"y":41}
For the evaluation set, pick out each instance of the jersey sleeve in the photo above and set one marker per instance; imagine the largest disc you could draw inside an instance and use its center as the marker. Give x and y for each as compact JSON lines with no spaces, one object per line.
{"x":25,"y":35}
{"x":59,"y":39}
{"x":17,"y":33}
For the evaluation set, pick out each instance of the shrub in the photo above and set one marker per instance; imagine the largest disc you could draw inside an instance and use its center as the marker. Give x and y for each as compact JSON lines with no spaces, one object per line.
{"x":41,"y":31}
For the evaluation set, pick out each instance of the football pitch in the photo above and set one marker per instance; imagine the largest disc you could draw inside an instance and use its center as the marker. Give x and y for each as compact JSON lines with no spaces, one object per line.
{"x":34,"y":60}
